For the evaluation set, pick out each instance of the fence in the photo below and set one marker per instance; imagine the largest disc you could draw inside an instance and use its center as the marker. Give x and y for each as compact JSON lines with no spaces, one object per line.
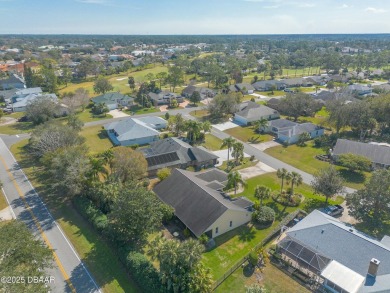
{"x":270,"y":236}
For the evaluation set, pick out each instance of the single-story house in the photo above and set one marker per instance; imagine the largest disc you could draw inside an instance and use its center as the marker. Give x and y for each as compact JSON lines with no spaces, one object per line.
{"x":204,"y":92}
{"x":318,"y":79}
{"x":383,"y":87}
{"x":174,"y":153}
{"x":12,"y":82}
{"x":288,"y":132}
{"x":341,"y":258}
{"x":266,"y":85}
{"x":135,"y":131}
{"x":359,"y":89}
{"x":379,"y":154}
{"x":339,"y":78}
{"x":245,"y":88}
{"x":113,"y":100}
{"x":19,"y":104}
{"x":296,"y":82}
{"x":164,"y":97}
{"x":200,"y":204}
{"x":251,"y":111}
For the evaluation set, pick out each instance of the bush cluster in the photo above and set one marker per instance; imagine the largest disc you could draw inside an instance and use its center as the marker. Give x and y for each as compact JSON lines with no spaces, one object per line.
{"x":265,"y":215}
{"x":91,"y":213}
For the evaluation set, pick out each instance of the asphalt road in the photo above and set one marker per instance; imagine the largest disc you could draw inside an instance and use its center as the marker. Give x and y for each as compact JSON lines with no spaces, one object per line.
{"x":70,"y":274}
{"x":271,"y":161}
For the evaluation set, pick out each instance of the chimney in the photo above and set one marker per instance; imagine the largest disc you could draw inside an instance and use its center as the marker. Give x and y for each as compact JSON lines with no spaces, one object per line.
{"x":373,"y":267}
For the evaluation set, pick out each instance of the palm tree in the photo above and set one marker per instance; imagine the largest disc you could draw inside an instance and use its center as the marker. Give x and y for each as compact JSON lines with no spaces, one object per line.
{"x":228,"y":142}
{"x":206,"y":126}
{"x":259,"y":125}
{"x":238,"y":152}
{"x":284,"y":175}
{"x":233,"y":179}
{"x":296,"y":179}
{"x":262,"y":192}
{"x":193,"y":130}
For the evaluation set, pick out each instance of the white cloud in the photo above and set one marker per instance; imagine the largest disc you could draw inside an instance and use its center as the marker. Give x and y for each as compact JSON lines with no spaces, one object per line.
{"x":344,"y":6}
{"x":306,"y":5}
{"x":272,"y":6}
{"x":375,"y":10}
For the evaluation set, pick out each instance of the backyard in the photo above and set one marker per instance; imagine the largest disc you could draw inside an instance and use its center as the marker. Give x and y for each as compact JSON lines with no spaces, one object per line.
{"x":304,"y":159}
{"x":96,"y":138}
{"x":234,"y":245}
{"x":248,"y":134}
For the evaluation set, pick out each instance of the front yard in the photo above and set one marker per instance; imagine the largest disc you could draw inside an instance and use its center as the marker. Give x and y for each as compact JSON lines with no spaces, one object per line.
{"x":212,"y":142}
{"x":304,"y":159}
{"x":96,"y":138}
{"x":248,"y":134}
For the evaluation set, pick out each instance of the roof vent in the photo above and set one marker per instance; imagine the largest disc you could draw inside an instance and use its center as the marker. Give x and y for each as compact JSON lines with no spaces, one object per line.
{"x":322,"y":231}
{"x":351,"y":230}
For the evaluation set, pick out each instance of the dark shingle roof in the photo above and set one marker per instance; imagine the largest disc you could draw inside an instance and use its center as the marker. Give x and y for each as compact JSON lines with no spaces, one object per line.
{"x":255,"y":111}
{"x":376,"y":153}
{"x":282,"y":123}
{"x":196,"y":205}
{"x":185,"y":153}
{"x":111,"y":98}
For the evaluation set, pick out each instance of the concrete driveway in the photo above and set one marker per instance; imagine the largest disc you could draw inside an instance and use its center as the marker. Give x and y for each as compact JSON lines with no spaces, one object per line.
{"x":265,"y":145}
{"x":118,"y":114}
{"x":225,"y":126}
{"x":259,"y":169}
{"x":222,"y":154}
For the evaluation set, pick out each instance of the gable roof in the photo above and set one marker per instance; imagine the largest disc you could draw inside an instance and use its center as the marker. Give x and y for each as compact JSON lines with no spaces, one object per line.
{"x":24,"y":101}
{"x":247,"y":86}
{"x":282,"y":123}
{"x":337,"y":241}
{"x":376,"y":153}
{"x":197,"y":205}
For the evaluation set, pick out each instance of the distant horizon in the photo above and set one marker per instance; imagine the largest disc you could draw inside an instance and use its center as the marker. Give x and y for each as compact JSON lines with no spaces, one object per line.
{"x":183,"y":17}
{"x":98,"y":34}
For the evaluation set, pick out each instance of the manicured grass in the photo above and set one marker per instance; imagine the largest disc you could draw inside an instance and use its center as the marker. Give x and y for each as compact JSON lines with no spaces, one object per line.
{"x":16,"y":128}
{"x":304,"y":159}
{"x":212,"y":142}
{"x":273,"y":279}
{"x":87,"y":116}
{"x":201,"y":114}
{"x":139,"y":110}
{"x":235,"y":244}
{"x":96,"y":138}
{"x":248,"y":134}
{"x":274,"y":94}
{"x":93,"y":250}
{"x":246,"y":163}
{"x":3,"y":201}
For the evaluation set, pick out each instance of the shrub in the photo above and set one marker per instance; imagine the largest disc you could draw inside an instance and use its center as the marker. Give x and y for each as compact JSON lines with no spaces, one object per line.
{"x":143,"y":272}
{"x":91,"y":213}
{"x":252,"y":158}
{"x":203,"y":239}
{"x":253,"y":258}
{"x":286,"y":200}
{"x":163,"y":173}
{"x":146,"y":182}
{"x":186,"y":233}
{"x":265,"y":215}
{"x":167,"y":212}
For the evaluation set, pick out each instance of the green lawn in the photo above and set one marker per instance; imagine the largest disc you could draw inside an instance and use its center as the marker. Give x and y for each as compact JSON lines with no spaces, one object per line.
{"x":3,"y":201}
{"x":96,"y":138}
{"x":273,"y":279}
{"x":248,"y":134}
{"x":100,"y":259}
{"x":88,"y":116}
{"x":16,"y":128}
{"x":246,"y":163}
{"x":201,"y":114}
{"x":320,"y":118}
{"x":212,"y":142}
{"x":304,"y":159}
{"x":139,"y":110}
{"x":235,"y":244}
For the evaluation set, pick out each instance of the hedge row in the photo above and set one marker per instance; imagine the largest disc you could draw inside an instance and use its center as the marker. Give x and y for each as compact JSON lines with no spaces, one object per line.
{"x":138,"y":266}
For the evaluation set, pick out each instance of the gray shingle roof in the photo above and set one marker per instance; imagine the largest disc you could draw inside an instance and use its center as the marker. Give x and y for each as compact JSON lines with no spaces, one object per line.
{"x":282,"y":123}
{"x":196,"y":205}
{"x":376,"y":153}
{"x":131,"y":128}
{"x":335,"y":240}
{"x":184,"y":153}
{"x":256,"y":111}
{"x":111,"y":98}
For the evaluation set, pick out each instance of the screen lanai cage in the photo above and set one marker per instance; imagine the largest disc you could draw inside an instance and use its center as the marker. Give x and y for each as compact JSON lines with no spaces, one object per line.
{"x":304,"y":258}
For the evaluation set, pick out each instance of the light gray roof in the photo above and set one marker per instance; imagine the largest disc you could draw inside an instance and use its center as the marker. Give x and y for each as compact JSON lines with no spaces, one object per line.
{"x":32,"y":90}
{"x":337,"y":241}
{"x":196,"y":205}
{"x":376,"y":153}
{"x":111,"y":98}
{"x":153,"y":121}
{"x":24,"y":101}
{"x":281,"y":123}
{"x":256,"y":111}
{"x":247,"y":86}
{"x":131,"y":128}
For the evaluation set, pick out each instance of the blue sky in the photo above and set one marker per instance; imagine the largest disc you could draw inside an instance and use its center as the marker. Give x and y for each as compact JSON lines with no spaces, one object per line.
{"x":194,"y":16}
